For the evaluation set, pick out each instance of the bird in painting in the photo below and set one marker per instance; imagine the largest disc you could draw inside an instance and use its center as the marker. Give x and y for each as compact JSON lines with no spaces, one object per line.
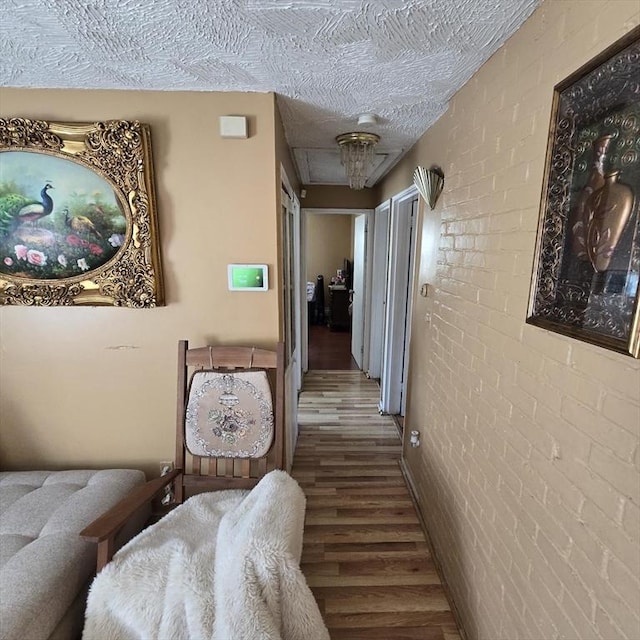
{"x":15,"y":209}
{"x":80,"y":224}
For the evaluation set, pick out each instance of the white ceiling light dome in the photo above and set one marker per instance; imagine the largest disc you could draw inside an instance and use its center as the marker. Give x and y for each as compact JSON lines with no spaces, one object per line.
{"x":367,"y":118}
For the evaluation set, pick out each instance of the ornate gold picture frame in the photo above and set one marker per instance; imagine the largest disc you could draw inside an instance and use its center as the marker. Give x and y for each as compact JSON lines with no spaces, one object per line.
{"x":77,"y":214}
{"x":587,"y":265}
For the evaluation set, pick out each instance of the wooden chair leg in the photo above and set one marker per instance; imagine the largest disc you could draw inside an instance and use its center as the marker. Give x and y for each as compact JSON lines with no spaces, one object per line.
{"x":105,"y":553}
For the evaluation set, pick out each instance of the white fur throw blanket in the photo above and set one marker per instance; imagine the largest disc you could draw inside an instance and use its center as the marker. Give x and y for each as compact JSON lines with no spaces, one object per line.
{"x":222,"y":566}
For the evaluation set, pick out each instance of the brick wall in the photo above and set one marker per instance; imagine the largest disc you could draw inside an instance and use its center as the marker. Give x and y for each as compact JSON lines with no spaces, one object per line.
{"x":528,"y":474}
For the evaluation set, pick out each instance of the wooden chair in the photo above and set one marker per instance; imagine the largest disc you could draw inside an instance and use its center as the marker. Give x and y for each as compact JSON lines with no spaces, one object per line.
{"x":196,"y":473}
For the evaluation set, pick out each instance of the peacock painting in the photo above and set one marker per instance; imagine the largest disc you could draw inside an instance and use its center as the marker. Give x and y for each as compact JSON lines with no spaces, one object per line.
{"x":55,"y":232}
{"x":16,"y":209}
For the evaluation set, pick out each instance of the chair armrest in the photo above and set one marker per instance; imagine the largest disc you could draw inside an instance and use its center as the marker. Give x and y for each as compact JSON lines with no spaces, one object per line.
{"x":105,"y":529}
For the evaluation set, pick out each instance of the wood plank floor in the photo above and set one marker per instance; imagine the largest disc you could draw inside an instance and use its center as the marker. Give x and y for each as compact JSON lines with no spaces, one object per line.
{"x":330,"y":349}
{"x":364,"y":556}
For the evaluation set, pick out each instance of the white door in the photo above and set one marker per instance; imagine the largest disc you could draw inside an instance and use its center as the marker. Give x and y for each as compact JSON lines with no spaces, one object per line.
{"x":399,"y":299}
{"x":378,"y":288}
{"x":409,"y":306}
{"x":298,"y":288}
{"x":368,"y":286}
{"x":358,"y":288}
{"x":290,"y":284}
{"x":304,"y":307}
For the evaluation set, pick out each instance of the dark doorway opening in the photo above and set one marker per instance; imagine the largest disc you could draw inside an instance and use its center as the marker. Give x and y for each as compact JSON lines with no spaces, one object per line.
{"x":329,"y":349}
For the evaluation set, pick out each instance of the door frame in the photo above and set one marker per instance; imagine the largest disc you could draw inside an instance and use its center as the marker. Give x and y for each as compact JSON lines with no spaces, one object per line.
{"x":378,"y":298}
{"x":365,"y":305}
{"x":304,"y":212}
{"x":290,"y":198}
{"x":400,"y":290}
{"x":368,"y":289}
{"x":289,"y":210}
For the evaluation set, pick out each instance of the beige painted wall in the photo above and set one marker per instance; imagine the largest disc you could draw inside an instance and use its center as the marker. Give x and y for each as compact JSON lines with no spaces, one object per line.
{"x":528,"y":472}
{"x":339,"y":197}
{"x":96,"y":386}
{"x":329,"y":241}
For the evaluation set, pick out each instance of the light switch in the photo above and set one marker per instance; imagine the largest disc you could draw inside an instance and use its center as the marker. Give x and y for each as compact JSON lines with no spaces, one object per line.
{"x":233,"y":127}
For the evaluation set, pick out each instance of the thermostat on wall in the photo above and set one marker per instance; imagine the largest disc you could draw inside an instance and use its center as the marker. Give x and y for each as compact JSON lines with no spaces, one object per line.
{"x":248,"y":277}
{"x":233,"y":127}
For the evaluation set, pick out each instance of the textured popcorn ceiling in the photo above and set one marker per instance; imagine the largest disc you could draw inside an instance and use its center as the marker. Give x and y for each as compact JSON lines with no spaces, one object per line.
{"x":328,"y":60}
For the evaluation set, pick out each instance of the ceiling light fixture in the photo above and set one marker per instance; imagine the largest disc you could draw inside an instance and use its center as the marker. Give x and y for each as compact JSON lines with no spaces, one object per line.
{"x":357,"y":150}
{"x":367,"y":118}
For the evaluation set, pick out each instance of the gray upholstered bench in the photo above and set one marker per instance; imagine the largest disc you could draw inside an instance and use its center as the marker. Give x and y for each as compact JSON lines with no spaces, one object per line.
{"x":45,"y":566}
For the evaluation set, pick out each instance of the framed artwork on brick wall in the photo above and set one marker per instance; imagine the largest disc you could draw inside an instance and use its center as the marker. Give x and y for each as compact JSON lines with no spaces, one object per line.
{"x":77,"y":214}
{"x":587,"y":261}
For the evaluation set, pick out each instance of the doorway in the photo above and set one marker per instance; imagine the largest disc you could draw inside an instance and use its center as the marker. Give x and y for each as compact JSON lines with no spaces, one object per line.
{"x":378,"y":297}
{"x":290,"y":291}
{"x":335,"y":249}
{"x":400,"y":286}
{"x":330,"y":350}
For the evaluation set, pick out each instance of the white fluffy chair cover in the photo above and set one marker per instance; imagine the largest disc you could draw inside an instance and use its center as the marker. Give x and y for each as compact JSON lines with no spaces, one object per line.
{"x":223,"y":566}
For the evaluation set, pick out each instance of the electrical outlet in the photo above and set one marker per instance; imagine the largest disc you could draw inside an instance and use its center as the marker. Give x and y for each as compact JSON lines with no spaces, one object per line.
{"x":165,"y":467}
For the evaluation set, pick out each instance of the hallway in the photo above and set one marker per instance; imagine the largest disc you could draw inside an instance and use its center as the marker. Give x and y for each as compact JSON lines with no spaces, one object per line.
{"x":329,"y":349}
{"x":364,"y":556}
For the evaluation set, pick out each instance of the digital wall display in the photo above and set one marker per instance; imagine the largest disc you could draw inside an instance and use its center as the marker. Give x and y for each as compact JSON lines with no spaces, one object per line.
{"x":248,"y":277}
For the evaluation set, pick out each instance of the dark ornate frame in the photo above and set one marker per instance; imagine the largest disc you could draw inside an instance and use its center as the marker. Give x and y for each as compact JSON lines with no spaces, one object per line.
{"x":587,"y":264}
{"x":120,"y":152}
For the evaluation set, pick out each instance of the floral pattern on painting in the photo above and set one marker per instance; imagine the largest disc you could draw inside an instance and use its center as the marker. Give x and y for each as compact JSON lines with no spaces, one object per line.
{"x":58,"y":218}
